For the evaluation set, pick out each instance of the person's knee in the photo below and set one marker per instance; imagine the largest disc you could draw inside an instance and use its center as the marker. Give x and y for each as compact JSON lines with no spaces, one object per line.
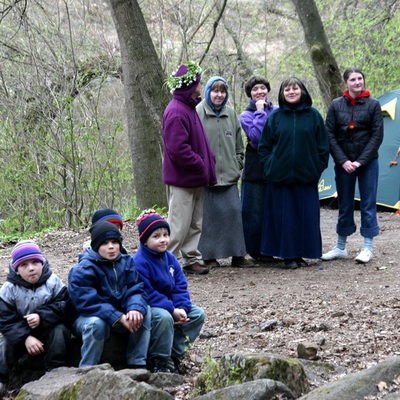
{"x":97,"y":328}
{"x":161,"y":319}
{"x":197,"y":314}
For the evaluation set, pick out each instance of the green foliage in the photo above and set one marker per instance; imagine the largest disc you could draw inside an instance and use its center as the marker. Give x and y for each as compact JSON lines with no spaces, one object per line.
{"x":63,"y":144}
{"x":365,"y":35}
{"x":133,"y":212}
{"x":211,"y":377}
{"x":63,"y":141}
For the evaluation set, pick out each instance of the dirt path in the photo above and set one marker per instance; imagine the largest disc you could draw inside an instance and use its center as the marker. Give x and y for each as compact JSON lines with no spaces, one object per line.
{"x":350,"y":310}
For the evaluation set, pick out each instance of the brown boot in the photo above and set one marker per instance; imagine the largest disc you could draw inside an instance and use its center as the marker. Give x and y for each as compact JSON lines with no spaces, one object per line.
{"x":196,"y":268}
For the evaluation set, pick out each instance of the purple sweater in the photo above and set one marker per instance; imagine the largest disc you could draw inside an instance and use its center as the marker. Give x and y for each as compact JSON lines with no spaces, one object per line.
{"x":188,"y":159}
{"x":253,"y":121}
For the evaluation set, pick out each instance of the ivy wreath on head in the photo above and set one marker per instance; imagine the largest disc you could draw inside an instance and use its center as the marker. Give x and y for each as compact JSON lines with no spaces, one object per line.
{"x":176,"y":82}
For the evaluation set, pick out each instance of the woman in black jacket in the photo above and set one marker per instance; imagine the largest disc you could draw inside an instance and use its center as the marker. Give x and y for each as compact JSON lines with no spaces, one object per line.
{"x":355,"y":128}
{"x":294,"y":151}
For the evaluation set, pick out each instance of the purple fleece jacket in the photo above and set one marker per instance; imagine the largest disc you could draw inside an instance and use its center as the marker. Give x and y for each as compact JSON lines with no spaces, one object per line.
{"x":188,"y":159}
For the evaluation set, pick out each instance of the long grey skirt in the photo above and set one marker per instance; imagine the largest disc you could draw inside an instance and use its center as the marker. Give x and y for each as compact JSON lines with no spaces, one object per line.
{"x":222,"y":233}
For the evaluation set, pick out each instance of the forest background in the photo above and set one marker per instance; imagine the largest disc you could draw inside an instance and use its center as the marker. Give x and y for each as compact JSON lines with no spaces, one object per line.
{"x":81,"y":87}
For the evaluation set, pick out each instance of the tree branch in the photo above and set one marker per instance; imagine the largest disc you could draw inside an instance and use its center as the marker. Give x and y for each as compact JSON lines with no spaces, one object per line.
{"x":215,"y":26}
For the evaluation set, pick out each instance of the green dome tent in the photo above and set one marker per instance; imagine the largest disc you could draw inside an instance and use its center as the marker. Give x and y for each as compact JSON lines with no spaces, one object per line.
{"x":389,"y":158}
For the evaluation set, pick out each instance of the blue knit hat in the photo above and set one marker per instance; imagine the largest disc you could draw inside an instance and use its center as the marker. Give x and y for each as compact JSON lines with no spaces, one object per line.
{"x":110,"y":215}
{"x":23,"y":251}
{"x":148,"y":221}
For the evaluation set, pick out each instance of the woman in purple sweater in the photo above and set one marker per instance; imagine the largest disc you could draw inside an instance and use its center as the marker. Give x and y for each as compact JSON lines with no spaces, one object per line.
{"x":253,"y":120}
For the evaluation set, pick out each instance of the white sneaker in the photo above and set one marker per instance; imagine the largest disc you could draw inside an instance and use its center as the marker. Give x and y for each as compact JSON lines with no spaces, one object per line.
{"x":334,"y":254}
{"x":364,"y":256}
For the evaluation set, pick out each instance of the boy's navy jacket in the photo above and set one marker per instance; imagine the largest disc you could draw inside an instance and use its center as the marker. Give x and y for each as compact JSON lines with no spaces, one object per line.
{"x":165,"y":282}
{"x":105,"y":289}
{"x":48,"y":298}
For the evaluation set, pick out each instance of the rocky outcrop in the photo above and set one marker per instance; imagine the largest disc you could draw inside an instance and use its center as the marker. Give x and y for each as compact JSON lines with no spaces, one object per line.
{"x":261,"y":389}
{"x":360,"y":385}
{"x":30,"y":368}
{"x":233,"y":377}
{"x":101,"y":383}
{"x":240,"y":368}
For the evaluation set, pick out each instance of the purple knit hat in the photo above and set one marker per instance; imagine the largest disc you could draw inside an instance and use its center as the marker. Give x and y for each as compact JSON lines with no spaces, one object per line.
{"x":148,"y":221}
{"x":24,"y":251}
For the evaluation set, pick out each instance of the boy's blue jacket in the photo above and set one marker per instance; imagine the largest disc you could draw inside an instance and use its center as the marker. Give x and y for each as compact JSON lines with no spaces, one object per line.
{"x":48,"y":298}
{"x":105,"y":289}
{"x":164,"y":280}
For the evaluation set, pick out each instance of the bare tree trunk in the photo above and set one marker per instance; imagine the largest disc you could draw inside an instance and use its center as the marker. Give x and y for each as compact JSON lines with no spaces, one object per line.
{"x":145,"y":100}
{"x":324,"y":62}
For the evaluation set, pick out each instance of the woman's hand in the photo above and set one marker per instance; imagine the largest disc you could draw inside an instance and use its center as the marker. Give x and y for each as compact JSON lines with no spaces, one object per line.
{"x":350,"y":167}
{"x":260,"y":104}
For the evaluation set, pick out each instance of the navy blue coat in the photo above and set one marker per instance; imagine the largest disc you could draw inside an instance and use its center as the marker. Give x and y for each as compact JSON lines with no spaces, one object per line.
{"x":106,"y":289}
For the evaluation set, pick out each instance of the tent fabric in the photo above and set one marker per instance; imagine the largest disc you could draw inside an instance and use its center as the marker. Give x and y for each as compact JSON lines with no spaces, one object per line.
{"x":389,"y":158}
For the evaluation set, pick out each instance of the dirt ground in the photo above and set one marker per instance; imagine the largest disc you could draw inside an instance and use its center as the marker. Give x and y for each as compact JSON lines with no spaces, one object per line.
{"x":350,"y":310}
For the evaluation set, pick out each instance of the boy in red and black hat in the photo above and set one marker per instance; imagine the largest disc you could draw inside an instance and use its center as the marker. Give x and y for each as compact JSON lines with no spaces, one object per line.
{"x":175,"y":321}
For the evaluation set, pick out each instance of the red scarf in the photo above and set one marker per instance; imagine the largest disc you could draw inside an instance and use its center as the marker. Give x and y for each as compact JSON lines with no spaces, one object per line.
{"x":353,"y":102}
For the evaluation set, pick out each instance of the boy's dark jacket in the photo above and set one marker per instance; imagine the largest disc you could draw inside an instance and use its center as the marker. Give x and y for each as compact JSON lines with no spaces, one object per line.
{"x":105,"y":289}
{"x":294,"y":147}
{"x":48,"y":298}
{"x":164,"y":280}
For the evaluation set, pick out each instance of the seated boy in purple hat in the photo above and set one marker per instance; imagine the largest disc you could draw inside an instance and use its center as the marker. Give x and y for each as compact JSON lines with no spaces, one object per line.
{"x":175,"y":321}
{"x":32,"y":311}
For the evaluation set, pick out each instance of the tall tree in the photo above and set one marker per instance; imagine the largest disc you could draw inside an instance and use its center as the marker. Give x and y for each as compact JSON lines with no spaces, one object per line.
{"x":145,"y":100}
{"x":324,"y":62}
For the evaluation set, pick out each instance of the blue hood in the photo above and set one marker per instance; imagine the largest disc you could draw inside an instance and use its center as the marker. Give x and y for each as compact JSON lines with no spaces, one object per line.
{"x":207,"y":92}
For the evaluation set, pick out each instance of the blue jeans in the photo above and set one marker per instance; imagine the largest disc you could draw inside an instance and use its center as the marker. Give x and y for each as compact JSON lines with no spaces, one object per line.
{"x":94,"y":332}
{"x":168,"y":339}
{"x":367,"y":177}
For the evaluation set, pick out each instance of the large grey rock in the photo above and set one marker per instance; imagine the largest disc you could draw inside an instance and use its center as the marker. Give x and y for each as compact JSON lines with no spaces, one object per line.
{"x":100,"y":382}
{"x":239,"y":368}
{"x":30,"y":368}
{"x":358,"y":385}
{"x":261,"y":389}
{"x":319,"y":372}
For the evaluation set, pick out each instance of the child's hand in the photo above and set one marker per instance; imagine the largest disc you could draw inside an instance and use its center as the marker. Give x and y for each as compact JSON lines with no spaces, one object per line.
{"x":132,"y":320}
{"x":34,"y":346}
{"x":33,"y":320}
{"x":180,"y":316}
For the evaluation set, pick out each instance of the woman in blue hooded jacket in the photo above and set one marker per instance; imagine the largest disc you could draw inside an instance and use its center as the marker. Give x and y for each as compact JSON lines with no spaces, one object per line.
{"x":294,"y":151}
{"x":222,"y":207}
